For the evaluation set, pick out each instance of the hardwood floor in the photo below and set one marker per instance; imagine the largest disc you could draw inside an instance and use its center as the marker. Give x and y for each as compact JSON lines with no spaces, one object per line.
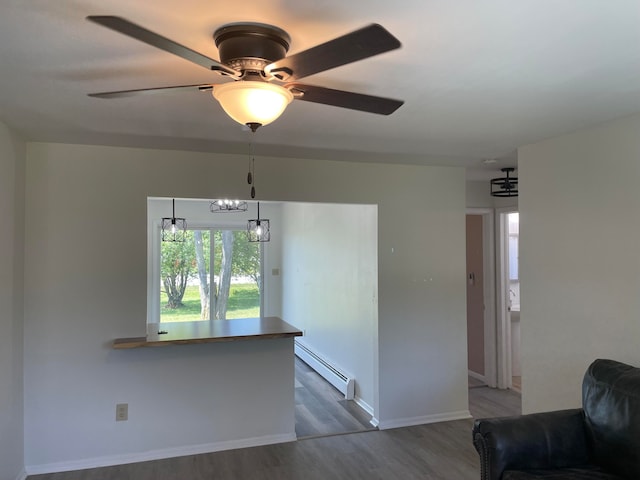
{"x":321,"y":409}
{"x":435,"y":451}
{"x":475,"y":383}
{"x":487,"y":402}
{"x":438,"y":451}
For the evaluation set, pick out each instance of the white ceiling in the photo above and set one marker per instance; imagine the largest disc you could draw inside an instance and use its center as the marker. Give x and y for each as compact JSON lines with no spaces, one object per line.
{"x":479,"y":77}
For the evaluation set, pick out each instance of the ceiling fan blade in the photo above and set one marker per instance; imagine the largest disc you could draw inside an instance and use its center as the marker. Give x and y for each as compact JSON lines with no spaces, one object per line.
{"x":147,"y":36}
{"x":340,"y":98}
{"x":354,"y":46}
{"x":148,"y":91}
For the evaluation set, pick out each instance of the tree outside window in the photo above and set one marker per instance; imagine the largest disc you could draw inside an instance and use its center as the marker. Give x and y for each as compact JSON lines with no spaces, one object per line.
{"x":215,"y":274}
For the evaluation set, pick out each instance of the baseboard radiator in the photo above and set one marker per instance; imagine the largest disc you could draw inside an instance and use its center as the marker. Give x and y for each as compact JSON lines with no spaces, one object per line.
{"x":331,"y":374}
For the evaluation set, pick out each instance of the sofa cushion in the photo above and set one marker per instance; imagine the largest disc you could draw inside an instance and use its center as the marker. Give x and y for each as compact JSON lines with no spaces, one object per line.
{"x":560,"y":474}
{"x":611,"y":402}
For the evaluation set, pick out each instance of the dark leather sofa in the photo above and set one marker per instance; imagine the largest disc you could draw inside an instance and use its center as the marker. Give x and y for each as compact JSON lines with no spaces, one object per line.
{"x":600,"y":441}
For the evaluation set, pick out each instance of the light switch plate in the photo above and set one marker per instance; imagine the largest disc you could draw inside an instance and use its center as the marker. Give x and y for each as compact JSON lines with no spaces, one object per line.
{"x":122,"y":412}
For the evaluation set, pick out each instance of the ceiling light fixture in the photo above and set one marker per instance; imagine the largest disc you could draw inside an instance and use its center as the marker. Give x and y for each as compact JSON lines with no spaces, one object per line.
{"x":255,"y":54}
{"x":252,"y":103}
{"x":174,"y":229}
{"x":258,"y":229}
{"x":226,"y":206}
{"x":505,"y":186}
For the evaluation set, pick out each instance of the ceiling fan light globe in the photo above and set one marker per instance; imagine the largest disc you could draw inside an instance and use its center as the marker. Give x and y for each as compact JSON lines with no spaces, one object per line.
{"x":252,"y":102}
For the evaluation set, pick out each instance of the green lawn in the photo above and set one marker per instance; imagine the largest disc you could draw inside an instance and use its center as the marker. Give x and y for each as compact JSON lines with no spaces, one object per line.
{"x":244,"y":302}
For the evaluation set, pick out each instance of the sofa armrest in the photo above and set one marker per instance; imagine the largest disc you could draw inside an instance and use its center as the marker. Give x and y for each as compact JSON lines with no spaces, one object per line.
{"x":536,"y":441}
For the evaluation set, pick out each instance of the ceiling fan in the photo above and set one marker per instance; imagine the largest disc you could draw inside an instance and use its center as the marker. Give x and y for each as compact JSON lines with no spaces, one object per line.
{"x":264,"y":82}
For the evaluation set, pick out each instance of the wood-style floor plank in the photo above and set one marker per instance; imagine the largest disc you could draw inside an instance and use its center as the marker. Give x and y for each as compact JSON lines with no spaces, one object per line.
{"x":475,"y":383}
{"x":488,"y":402}
{"x":321,"y":409}
{"x":436,"y":451}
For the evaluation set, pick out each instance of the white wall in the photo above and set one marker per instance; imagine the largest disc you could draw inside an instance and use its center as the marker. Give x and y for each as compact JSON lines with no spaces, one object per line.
{"x":86,"y":282}
{"x":330,"y":285}
{"x":579,"y":237}
{"x":422,"y":356}
{"x":12,"y":158}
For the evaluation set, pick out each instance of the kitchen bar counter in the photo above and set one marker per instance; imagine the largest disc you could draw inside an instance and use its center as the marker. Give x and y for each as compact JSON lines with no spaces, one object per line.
{"x":181,"y":333}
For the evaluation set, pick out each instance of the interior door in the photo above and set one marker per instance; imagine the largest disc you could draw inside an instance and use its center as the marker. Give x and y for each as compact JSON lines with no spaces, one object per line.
{"x":475,"y":297}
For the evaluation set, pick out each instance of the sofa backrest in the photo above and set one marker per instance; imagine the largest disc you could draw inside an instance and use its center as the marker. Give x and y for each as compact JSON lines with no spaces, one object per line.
{"x":611,"y":402}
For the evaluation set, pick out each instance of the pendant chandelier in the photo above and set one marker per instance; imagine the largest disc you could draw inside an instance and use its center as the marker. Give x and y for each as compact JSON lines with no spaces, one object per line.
{"x":258,"y":229}
{"x":505,"y":186}
{"x":227,"y":206}
{"x":174,"y":229}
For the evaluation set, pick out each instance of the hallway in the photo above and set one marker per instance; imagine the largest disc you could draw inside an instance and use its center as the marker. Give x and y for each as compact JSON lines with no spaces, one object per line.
{"x":487,"y":402}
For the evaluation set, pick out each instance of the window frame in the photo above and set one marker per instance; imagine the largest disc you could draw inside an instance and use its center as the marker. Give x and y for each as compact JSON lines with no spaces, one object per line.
{"x":154,"y":248}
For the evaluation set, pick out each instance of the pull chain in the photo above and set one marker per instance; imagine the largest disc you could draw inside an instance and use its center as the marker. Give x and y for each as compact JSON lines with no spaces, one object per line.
{"x":253,"y":187}
{"x":251,"y":174}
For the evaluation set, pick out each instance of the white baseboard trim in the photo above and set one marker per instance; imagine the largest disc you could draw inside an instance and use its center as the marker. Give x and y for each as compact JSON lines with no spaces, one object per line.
{"x":363,"y":405}
{"x":477,"y":376}
{"x":158,"y":454}
{"x":438,"y":417}
{"x":367,"y":408}
{"x":22,"y":475}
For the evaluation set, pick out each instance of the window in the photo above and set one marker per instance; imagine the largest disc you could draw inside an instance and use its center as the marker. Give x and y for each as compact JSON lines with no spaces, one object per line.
{"x":215,"y":274}
{"x":514,"y":232}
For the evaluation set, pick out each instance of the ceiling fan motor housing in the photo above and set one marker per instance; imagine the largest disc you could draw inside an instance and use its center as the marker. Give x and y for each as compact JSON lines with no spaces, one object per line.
{"x":251,"y":46}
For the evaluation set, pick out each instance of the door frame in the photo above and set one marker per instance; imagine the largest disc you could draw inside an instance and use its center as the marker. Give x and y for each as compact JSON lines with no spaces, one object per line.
{"x":503,"y":315}
{"x":489,"y":294}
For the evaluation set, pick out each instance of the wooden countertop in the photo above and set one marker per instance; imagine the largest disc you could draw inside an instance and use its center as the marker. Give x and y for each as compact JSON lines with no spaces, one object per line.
{"x":181,"y":333}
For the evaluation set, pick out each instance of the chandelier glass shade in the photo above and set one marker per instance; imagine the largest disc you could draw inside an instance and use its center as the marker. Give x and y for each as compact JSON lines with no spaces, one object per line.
{"x":252,"y":102}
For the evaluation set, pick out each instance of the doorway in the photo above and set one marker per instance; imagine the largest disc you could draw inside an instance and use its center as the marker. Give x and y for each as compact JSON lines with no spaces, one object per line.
{"x":508,"y":300}
{"x":493,"y":276}
{"x":481,"y":331}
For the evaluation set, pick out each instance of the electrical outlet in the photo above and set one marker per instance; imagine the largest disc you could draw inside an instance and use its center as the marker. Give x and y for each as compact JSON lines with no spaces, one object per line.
{"x":122,"y":412}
